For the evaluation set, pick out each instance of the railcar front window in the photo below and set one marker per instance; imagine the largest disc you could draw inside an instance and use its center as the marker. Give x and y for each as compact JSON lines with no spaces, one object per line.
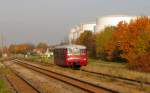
{"x":76,"y":51}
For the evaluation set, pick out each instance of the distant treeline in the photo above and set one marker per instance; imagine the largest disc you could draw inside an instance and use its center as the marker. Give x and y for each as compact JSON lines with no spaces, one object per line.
{"x":23,"y":48}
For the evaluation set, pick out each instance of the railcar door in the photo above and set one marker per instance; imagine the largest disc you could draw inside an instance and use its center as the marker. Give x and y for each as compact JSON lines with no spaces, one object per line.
{"x":56,"y":56}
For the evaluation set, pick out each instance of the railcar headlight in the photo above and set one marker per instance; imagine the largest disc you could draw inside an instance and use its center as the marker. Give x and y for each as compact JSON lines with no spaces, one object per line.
{"x":84,"y":59}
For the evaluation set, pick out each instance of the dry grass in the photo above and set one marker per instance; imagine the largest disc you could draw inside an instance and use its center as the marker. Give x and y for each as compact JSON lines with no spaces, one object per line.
{"x":117,"y":69}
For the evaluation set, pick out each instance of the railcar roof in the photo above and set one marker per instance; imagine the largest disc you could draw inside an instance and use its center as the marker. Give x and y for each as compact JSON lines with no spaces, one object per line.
{"x":71,"y":46}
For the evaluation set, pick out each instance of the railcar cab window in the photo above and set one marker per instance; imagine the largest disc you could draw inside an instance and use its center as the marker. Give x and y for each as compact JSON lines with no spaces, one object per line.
{"x":69,"y":51}
{"x":76,"y":51}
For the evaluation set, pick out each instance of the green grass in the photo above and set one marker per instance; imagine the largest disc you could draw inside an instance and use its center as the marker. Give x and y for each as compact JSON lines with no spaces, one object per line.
{"x":3,"y":86}
{"x":95,"y":62}
{"x":40,"y":59}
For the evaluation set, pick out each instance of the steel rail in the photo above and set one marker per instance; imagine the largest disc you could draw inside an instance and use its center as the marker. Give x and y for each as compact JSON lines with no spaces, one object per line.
{"x":133,"y":81}
{"x":117,"y":77}
{"x":21,"y":79}
{"x":89,"y":87}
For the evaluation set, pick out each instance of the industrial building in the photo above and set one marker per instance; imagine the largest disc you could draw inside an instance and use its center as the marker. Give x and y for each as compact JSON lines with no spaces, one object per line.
{"x":77,"y":30}
{"x":112,"y":20}
{"x":99,"y":25}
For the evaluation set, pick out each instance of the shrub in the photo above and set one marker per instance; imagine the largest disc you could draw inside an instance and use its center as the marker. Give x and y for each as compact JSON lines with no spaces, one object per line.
{"x":141,"y":63}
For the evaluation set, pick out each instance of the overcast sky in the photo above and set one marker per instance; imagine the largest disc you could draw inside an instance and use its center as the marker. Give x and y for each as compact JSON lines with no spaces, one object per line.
{"x":34,"y":21}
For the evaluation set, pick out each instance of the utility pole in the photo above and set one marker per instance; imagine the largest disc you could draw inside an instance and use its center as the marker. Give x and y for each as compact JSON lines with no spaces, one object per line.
{"x":2,"y":44}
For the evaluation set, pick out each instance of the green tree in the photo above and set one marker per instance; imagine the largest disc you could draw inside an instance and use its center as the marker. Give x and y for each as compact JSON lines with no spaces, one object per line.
{"x":88,"y":39}
{"x":102,"y":38}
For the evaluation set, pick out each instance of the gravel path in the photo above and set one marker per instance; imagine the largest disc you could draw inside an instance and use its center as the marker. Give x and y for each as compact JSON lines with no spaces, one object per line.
{"x":125,"y":88}
{"x":43,"y":83}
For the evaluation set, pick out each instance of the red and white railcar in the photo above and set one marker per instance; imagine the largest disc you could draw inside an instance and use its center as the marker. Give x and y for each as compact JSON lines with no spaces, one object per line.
{"x":70,"y":55}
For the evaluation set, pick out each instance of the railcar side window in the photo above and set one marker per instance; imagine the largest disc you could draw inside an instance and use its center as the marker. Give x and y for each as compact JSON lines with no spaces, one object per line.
{"x":83,"y":51}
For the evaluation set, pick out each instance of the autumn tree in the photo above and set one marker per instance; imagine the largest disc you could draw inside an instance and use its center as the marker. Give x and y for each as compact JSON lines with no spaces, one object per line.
{"x":21,"y":48}
{"x":132,"y":41}
{"x":42,"y":45}
{"x":12,"y":48}
{"x":128,"y":42}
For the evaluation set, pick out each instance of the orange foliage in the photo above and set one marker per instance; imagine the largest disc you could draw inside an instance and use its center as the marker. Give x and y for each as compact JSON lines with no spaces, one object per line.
{"x":126,"y":35}
{"x":134,"y":40}
{"x":141,"y":63}
{"x":127,"y":42}
{"x":20,"y":48}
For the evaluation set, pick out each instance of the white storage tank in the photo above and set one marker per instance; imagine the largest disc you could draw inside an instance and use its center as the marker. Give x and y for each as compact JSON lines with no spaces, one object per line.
{"x":113,"y":20}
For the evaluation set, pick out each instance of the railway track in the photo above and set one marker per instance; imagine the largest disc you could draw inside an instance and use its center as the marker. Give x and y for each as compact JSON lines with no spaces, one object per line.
{"x":19,"y":84}
{"x":89,"y":87}
{"x":133,"y":81}
{"x":123,"y":79}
